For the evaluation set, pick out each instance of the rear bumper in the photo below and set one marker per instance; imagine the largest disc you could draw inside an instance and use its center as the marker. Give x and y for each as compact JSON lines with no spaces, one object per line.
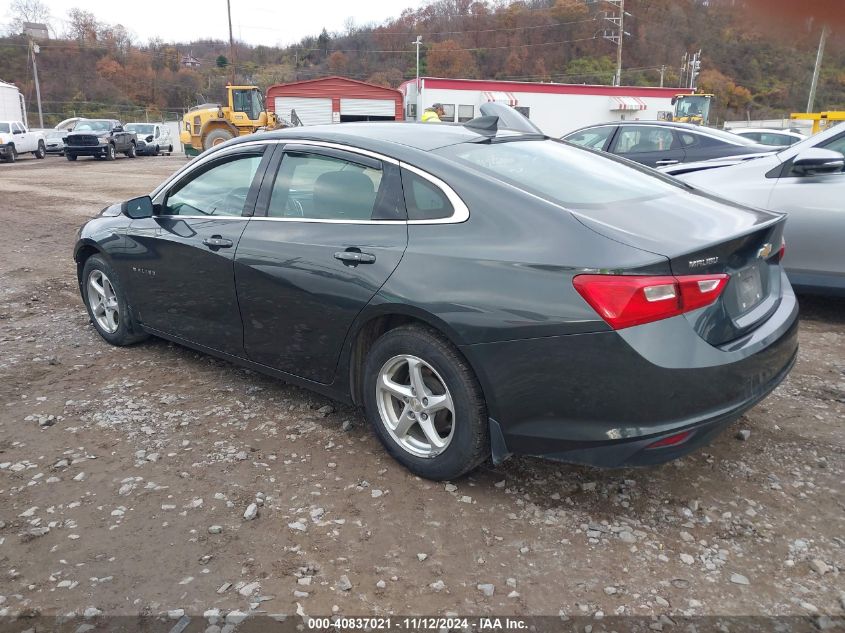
{"x":603,"y":398}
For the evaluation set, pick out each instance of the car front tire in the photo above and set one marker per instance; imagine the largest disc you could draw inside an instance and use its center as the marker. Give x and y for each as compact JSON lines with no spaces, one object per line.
{"x":110,"y":152}
{"x":425,"y":404}
{"x":70,"y":156}
{"x":132,"y":152}
{"x":11,"y":154}
{"x":41,"y":152}
{"x":106,"y":303}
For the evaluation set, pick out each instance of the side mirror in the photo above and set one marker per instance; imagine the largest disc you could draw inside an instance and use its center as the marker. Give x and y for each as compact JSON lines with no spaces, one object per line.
{"x":816,"y":161}
{"x":138,"y":208}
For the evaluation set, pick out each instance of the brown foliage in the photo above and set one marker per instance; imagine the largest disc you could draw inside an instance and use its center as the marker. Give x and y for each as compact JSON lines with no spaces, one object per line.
{"x":447,"y":59}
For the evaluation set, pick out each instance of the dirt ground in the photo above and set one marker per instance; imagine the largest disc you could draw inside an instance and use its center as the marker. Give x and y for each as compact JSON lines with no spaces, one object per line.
{"x":125,"y":475}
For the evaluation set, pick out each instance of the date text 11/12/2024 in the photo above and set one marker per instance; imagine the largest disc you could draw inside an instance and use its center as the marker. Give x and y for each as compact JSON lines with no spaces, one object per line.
{"x":416,"y":624}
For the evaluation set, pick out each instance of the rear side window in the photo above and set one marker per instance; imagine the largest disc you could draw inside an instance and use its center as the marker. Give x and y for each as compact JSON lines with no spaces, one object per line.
{"x":318,"y":186}
{"x":641,"y":139}
{"x":563,"y":174}
{"x":424,"y":200}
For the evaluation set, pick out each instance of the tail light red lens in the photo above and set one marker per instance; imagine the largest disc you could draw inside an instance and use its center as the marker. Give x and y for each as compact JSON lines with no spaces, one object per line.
{"x":672,"y":440}
{"x":628,"y":300}
{"x":782,"y":250}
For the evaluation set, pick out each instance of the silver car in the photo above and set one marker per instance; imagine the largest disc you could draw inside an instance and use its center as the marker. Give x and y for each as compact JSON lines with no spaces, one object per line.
{"x":806,"y":181}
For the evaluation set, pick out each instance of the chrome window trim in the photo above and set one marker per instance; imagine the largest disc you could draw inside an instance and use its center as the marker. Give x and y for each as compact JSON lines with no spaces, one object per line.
{"x":459,"y":215}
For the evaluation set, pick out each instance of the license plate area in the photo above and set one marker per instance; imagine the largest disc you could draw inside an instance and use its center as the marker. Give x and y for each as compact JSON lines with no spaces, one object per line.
{"x":749,"y":288}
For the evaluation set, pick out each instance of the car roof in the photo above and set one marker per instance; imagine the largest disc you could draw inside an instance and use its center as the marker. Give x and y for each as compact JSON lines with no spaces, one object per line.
{"x":767,"y":130}
{"x":375,"y":137}
{"x":675,"y":124}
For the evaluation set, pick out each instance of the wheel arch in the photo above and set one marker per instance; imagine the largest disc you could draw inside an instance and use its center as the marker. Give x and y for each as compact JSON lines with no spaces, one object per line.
{"x":377,"y":321}
{"x":82,"y":253}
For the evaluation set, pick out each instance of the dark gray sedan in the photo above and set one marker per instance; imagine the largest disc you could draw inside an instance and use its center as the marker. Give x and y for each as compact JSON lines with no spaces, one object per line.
{"x":478,"y":291}
{"x":660,"y":143}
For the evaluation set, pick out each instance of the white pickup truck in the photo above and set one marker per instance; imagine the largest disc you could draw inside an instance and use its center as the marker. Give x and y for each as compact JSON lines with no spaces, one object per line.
{"x":16,"y":139}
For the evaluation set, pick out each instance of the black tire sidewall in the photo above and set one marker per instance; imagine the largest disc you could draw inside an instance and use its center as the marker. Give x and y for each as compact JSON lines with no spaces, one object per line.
{"x":464,"y":451}
{"x":110,"y":152}
{"x":124,"y":334}
{"x":132,"y":151}
{"x":41,"y":152}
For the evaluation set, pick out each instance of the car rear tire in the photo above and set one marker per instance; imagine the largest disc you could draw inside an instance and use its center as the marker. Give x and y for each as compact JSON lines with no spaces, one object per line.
{"x":106,"y":303}
{"x":425,"y":403}
{"x":70,"y":156}
{"x":216,"y":137}
{"x":132,"y":152}
{"x":41,"y":152}
{"x":111,"y":154}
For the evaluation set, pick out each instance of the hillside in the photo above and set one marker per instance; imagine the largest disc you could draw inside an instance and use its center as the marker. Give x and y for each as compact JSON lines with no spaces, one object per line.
{"x":757,"y":68}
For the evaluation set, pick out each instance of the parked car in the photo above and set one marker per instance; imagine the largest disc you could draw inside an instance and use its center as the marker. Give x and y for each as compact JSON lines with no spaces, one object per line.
{"x":656,"y":143}
{"x":54,"y":140}
{"x":16,"y":139}
{"x":476,"y":298}
{"x":765,"y":136}
{"x":100,"y":138}
{"x":807,"y":182}
{"x":153,"y":138}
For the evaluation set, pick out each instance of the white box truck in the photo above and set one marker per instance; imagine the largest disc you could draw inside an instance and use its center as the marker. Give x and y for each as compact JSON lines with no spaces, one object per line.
{"x":11,"y":103}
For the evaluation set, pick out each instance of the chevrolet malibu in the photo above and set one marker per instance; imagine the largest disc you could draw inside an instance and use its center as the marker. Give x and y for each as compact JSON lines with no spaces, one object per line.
{"x":479,"y":291}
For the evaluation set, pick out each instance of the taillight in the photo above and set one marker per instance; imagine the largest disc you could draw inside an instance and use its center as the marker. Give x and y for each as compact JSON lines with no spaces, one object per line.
{"x":672,"y":440}
{"x":628,"y":300}
{"x":782,"y":250}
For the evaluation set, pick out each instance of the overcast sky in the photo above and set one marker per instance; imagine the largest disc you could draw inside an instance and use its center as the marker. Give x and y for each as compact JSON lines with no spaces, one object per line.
{"x":253,"y":21}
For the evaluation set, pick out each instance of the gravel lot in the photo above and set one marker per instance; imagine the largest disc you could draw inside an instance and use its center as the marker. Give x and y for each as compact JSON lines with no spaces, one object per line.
{"x":125,"y":475}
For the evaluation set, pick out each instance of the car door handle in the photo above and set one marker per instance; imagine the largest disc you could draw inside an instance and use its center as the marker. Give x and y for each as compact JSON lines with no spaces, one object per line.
{"x":355,"y":257}
{"x":216,"y":241}
{"x":667,"y":161}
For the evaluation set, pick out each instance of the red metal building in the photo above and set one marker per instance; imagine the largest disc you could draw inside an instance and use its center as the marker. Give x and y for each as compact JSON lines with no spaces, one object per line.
{"x":334,"y":100}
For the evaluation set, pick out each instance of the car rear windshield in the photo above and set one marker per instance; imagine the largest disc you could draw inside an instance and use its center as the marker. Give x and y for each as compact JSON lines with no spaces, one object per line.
{"x":566,"y":175}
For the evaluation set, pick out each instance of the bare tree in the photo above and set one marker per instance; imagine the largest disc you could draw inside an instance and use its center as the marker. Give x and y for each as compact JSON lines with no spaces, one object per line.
{"x":26,"y":11}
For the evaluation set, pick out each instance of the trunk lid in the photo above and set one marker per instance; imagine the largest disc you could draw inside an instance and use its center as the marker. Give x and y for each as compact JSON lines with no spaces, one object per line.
{"x":700,"y":234}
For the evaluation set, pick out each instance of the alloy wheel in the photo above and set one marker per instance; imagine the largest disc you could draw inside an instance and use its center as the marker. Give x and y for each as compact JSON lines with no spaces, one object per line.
{"x":102,"y":300}
{"x":415,"y":406}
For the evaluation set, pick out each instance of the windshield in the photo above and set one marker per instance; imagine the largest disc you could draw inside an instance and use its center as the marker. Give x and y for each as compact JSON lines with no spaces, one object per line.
{"x":93,"y":126}
{"x":140,"y":128}
{"x":4,"y":127}
{"x":567,"y":175}
{"x":249,"y":102}
{"x":693,"y":106}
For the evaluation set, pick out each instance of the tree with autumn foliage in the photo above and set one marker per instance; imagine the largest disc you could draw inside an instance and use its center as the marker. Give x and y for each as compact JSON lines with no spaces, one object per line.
{"x":448,"y":59}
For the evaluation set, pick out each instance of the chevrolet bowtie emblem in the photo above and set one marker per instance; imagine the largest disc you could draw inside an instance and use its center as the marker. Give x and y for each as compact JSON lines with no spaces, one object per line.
{"x":765,"y":251}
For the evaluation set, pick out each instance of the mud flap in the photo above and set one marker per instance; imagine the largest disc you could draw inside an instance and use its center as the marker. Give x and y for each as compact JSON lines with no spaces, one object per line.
{"x":498,"y":448}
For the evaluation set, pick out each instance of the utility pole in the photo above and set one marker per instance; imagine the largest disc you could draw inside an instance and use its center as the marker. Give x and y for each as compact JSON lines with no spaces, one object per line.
{"x":231,"y":41}
{"x":618,"y":22}
{"x":34,"y":50}
{"x":813,"y":84}
{"x":662,"y":73}
{"x":418,"y":42}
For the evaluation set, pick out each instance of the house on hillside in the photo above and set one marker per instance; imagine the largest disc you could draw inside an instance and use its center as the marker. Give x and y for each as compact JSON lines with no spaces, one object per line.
{"x":36,"y":30}
{"x":189,"y":61}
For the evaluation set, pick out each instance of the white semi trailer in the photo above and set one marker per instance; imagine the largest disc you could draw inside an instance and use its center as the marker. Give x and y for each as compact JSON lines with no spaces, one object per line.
{"x":12,"y":107}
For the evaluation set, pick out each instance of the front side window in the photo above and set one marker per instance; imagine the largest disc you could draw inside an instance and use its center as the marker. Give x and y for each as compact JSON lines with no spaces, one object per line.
{"x":836,"y":145}
{"x":17,"y":127}
{"x":220,"y":190}
{"x":324,"y":187}
{"x":563,"y":174}
{"x":637,"y":139}
{"x":594,"y":138}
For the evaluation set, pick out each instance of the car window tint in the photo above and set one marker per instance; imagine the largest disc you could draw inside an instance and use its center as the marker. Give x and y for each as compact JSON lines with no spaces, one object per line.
{"x":687,"y":139}
{"x":561,"y":173}
{"x":836,"y":145}
{"x":424,"y":200}
{"x":4,"y":127}
{"x":324,"y":187}
{"x":594,"y":138}
{"x":774,"y":139}
{"x":220,"y":190}
{"x":640,"y":139}
{"x":17,"y":127}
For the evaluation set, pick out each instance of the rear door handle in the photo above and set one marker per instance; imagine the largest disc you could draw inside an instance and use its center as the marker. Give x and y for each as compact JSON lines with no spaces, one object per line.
{"x":668,"y":162}
{"x":355,"y":257}
{"x":217,"y":241}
